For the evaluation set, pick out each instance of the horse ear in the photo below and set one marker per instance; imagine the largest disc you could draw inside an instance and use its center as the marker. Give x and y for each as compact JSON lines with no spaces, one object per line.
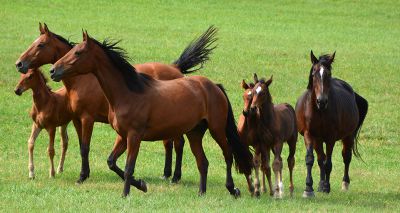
{"x":332,"y":57}
{"x":314,"y":59}
{"x":255,"y":77}
{"x":244,"y":85}
{"x":46,"y":29}
{"x":84,"y":35}
{"x":267,"y":83}
{"x":41,"y":30}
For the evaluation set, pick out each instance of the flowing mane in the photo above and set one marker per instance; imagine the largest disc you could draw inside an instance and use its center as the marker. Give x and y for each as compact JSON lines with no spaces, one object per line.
{"x":119,"y":58}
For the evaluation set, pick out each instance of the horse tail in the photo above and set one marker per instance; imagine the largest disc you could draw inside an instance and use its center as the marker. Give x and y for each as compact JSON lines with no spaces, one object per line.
{"x":241,"y":153}
{"x":362,"y":106}
{"x":197,"y":52}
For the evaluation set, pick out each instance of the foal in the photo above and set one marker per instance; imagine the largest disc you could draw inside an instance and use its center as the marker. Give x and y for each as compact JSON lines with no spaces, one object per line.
{"x":274,"y":124}
{"x":329,"y":110}
{"x":49,"y":110}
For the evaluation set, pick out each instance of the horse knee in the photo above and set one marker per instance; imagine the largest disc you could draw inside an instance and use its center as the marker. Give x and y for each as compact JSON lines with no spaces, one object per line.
{"x":309,"y":159}
{"x":51,"y":152}
{"x":277,"y":165}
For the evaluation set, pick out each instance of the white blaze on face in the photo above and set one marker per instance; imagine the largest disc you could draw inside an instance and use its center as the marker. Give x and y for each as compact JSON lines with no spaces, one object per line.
{"x":321,"y":73}
{"x":37,"y":40}
{"x":258,"y":90}
{"x":249,"y":93}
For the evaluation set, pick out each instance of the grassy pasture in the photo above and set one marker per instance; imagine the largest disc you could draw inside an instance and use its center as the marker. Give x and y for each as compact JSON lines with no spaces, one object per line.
{"x":263,"y":37}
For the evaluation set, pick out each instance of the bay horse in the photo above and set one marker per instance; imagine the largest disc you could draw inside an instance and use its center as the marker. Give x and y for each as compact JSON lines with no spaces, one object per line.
{"x":272,"y":124}
{"x":49,"y":111}
{"x":247,"y":137}
{"x":329,"y":110}
{"x":87,"y":100}
{"x":143,"y":108}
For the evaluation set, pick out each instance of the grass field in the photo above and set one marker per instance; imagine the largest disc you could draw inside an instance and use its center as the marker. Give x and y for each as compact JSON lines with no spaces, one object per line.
{"x":267,"y":38}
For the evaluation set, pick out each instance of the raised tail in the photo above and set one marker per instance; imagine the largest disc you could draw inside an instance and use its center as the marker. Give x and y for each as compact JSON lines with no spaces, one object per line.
{"x":197,"y":52}
{"x":362,"y":105}
{"x":241,"y":153}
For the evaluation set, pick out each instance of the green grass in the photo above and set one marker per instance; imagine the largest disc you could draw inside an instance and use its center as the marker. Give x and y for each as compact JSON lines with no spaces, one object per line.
{"x":267,"y":38}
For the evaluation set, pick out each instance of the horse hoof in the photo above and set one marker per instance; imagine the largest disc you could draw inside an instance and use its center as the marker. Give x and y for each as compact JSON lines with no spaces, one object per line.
{"x":307,"y":194}
{"x":164,"y":177}
{"x":345,"y":186}
{"x":236,"y":194}
{"x":60,"y":170}
{"x":175,"y":179}
{"x":327,"y":188}
{"x":201,"y":194}
{"x":257,"y":194}
{"x":32,"y":176}
{"x":143,"y":186}
{"x":278,"y":195}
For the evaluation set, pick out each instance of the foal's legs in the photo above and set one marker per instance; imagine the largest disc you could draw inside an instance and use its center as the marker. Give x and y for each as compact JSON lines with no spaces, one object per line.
{"x":119,"y":148}
{"x":265,"y":163}
{"x":277,"y":167}
{"x":50,"y":150}
{"x":64,"y":147}
{"x":31,"y":145}
{"x":178,"y":145}
{"x":87,"y":129}
{"x":168,"y":146}
{"x":291,"y":160}
{"x":195,"y":139}
{"x":348,"y":144}
{"x":257,"y":163}
{"x":309,"y":141}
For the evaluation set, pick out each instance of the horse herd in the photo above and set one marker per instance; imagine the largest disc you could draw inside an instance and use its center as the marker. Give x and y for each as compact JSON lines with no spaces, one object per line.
{"x":155,"y":101}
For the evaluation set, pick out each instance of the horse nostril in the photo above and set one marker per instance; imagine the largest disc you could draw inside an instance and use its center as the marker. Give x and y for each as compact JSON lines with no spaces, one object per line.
{"x":19,"y":65}
{"x":52,"y":71}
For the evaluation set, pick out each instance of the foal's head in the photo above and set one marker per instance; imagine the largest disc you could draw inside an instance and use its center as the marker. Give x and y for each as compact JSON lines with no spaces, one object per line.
{"x":30,"y":80}
{"x":247,"y":96}
{"x":46,"y":49}
{"x":320,"y":78}
{"x":261,"y":94}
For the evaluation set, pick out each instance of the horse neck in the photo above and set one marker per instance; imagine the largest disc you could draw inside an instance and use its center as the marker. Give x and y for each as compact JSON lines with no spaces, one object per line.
{"x":111,"y":82}
{"x":267,"y":113}
{"x":41,"y":94}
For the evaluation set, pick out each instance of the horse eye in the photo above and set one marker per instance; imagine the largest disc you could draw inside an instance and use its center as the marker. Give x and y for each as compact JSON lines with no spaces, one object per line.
{"x":41,"y":45}
{"x":77,"y":53}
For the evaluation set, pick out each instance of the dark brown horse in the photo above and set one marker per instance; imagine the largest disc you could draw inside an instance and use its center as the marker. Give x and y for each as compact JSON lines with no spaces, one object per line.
{"x":271,"y":126}
{"x":49,"y":111}
{"x":143,"y":108}
{"x":87,"y":100}
{"x":329,"y":110}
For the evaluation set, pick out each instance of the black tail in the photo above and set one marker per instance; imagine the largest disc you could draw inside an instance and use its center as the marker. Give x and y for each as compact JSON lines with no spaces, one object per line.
{"x":241,"y":153}
{"x":362,"y":105}
{"x":197,"y":52}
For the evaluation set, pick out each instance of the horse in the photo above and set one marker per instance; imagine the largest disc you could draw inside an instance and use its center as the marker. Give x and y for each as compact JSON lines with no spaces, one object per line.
{"x":144,"y":108}
{"x":272,"y":125}
{"x":329,"y":110}
{"x":246,"y":137}
{"x":87,"y":100}
{"x":49,"y":111}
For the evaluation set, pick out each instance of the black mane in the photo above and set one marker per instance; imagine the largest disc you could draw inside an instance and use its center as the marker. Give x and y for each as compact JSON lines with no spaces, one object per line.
{"x":63,"y":40}
{"x":118,"y":56}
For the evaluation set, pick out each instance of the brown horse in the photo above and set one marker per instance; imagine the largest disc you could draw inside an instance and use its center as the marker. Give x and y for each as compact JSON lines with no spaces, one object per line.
{"x":49,"y":110}
{"x":143,"y":108}
{"x":246,"y":137}
{"x":87,"y":100}
{"x":329,"y":110}
{"x":272,"y":126}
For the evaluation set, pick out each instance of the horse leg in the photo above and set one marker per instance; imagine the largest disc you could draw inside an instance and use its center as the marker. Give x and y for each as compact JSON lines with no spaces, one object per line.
{"x":64,"y":147}
{"x":321,"y":157}
{"x":265,"y":163}
{"x":263,"y":186}
{"x":178,"y":145}
{"x":195,"y":141}
{"x":348,"y":144}
{"x":309,"y":141}
{"x":119,"y":148}
{"x":87,"y":129}
{"x":257,"y":162}
{"x":168,"y":145}
{"x":291,"y":161}
{"x":31,"y":145}
{"x":133,"y":145}
{"x":50,"y":150}
{"x":277,"y":167}
{"x":328,"y":165}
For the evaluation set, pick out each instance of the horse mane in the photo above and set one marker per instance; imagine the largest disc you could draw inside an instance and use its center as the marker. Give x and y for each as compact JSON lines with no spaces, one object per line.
{"x":63,"y":40}
{"x":119,"y":58}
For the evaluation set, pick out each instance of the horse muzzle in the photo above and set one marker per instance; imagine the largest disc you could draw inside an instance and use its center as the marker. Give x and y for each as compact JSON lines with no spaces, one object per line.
{"x":322,"y":103}
{"x":18,"y":91}
{"x":56,"y":73}
{"x":22,"y":66}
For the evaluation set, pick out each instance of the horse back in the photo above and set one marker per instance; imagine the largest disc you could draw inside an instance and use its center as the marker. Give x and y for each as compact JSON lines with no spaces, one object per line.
{"x":159,"y":71}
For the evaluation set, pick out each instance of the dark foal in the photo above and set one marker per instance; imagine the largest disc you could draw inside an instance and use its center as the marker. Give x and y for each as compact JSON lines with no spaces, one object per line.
{"x":329,"y":110}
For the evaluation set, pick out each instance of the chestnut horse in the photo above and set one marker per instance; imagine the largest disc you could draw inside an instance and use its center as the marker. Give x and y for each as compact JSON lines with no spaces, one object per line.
{"x":273,"y":125}
{"x":143,"y":108}
{"x":246,"y":137}
{"x":49,"y":110}
{"x":329,"y":110}
{"x":88,"y":102}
